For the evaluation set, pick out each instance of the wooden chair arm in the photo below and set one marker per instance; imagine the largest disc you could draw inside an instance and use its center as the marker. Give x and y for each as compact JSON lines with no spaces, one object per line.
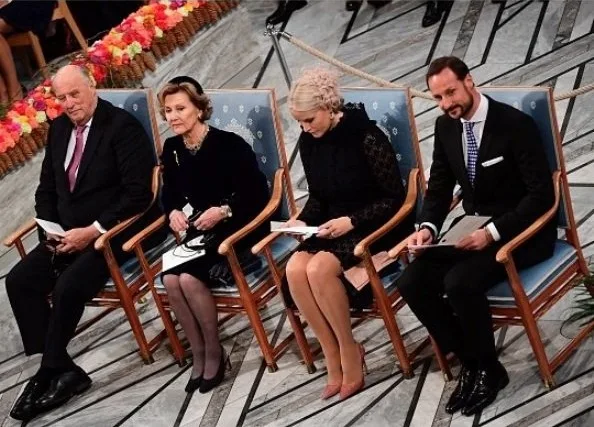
{"x":138,"y":238}
{"x":113,"y":231}
{"x":259,"y":247}
{"x":406,"y":208}
{"x":399,"y":249}
{"x":20,"y":233}
{"x":504,"y":253}
{"x":267,"y":212}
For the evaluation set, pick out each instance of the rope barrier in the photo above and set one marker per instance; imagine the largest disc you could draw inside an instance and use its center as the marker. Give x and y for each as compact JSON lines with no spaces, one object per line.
{"x":385,"y":83}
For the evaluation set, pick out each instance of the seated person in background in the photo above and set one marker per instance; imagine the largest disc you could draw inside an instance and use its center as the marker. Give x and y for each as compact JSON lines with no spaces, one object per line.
{"x":216,"y":172}
{"x":514,"y":190}
{"x":96,"y":173}
{"x":354,"y":188}
{"x":19,"y":15}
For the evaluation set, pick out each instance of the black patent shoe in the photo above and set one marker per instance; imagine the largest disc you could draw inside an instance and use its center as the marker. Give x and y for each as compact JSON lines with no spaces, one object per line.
{"x":434,"y":12}
{"x":462,"y":391}
{"x":208,"y":384}
{"x":284,"y":10}
{"x":486,"y":387}
{"x":24,"y":409}
{"x":62,"y":388}
{"x":193,"y":384}
{"x":353,"y":5}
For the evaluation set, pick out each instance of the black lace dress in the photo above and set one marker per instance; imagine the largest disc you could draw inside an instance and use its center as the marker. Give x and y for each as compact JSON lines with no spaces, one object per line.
{"x":351,"y":171}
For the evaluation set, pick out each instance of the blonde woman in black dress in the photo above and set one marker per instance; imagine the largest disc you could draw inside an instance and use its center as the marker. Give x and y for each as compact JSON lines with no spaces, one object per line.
{"x":354,"y":188}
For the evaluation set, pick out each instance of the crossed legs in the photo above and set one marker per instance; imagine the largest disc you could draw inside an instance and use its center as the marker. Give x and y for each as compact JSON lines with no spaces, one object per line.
{"x":316,"y":288}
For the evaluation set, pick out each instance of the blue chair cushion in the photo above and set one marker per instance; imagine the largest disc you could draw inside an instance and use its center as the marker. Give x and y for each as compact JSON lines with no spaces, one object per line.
{"x":131,"y":269}
{"x":536,"y":278}
{"x":281,"y":248}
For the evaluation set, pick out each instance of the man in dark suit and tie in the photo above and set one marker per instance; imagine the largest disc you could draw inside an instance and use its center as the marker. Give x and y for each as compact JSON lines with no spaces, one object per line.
{"x":494,"y":152}
{"x":96,"y":173}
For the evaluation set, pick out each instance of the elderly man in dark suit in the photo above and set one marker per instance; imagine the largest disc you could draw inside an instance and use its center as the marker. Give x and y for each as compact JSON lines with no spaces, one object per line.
{"x":96,"y":173}
{"x":494,"y":152}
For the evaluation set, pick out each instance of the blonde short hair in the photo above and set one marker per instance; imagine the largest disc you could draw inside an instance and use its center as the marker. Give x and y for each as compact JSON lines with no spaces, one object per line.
{"x":316,"y":88}
{"x":200,"y":100}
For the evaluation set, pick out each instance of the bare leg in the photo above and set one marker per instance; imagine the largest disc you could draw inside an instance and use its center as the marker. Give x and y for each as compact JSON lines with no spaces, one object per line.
{"x":8,"y":71}
{"x":4,"y":98}
{"x":323,"y":272}
{"x":204,"y":309}
{"x":186,"y":319}
{"x":304,"y":299}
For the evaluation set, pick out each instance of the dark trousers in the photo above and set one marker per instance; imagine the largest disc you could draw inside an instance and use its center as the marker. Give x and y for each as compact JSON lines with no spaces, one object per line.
{"x":48,"y":329}
{"x":461,"y":322}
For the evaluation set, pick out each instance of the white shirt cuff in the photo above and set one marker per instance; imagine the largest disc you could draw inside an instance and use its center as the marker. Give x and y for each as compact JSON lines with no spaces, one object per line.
{"x":493,"y":231}
{"x":432,"y":227}
{"x":99,"y":227}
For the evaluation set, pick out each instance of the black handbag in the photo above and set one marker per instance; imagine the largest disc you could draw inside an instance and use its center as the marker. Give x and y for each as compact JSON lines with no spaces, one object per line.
{"x":221,"y":274}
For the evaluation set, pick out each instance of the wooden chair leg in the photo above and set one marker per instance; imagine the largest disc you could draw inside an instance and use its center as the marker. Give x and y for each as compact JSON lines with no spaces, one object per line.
{"x":385,"y":310}
{"x":442,"y":361}
{"x":301,"y":341}
{"x":260,"y":332}
{"x":538,"y":348}
{"x":176,"y":345}
{"x":82,"y":42}
{"x":38,"y":53}
{"x":132,"y":315}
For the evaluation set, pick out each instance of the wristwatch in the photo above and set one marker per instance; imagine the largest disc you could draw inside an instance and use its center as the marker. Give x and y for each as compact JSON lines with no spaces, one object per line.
{"x":226,"y":211}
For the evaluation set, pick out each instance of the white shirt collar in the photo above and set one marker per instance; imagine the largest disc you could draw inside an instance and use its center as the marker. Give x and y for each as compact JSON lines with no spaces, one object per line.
{"x":480,"y":115}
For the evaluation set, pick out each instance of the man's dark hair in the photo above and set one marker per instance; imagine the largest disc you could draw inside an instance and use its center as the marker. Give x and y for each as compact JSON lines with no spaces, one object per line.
{"x":455,"y":64}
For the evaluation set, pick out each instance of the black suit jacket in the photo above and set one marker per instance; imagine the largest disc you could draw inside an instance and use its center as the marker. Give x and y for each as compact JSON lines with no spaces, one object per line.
{"x":114,"y":177}
{"x":515,"y":191}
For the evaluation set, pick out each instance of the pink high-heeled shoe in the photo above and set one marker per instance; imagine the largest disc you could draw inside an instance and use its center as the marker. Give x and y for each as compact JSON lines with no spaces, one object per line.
{"x":347,"y":390}
{"x":330,"y":390}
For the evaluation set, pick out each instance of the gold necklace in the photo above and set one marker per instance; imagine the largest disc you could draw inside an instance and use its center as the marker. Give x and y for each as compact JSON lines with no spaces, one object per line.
{"x":193,"y":147}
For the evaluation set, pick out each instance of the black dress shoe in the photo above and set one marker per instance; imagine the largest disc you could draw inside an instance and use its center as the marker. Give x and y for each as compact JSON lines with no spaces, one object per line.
{"x":284,"y":10}
{"x":486,"y":387}
{"x":208,"y":384}
{"x":353,"y":5}
{"x":62,"y":388}
{"x":434,"y":11}
{"x":193,"y":384}
{"x":24,"y":409}
{"x":378,"y":3}
{"x":462,"y":391}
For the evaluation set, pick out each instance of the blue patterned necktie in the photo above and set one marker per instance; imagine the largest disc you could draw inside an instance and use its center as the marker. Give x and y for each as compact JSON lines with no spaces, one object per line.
{"x":471,"y":150}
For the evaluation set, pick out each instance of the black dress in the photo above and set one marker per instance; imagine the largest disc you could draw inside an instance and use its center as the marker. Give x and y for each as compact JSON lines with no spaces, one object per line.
{"x":223,"y":171}
{"x":28,"y":15}
{"x":351,"y":171}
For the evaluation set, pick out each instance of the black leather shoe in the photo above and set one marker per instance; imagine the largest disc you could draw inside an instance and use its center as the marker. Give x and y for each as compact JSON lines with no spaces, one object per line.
{"x":378,"y":3}
{"x":486,"y":387}
{"x":24,"y":409}
{"x":434,"y":11}
{"x":284,"y":10}
{"x":62,"y":388}
{"x":353,"y":5}
{"x":193,"y":384}
{"x":208,"y":384}
{"x":462,"y":391}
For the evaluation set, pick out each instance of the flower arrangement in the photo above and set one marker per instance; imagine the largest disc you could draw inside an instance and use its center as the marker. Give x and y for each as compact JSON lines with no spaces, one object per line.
{"x":120,"y":59}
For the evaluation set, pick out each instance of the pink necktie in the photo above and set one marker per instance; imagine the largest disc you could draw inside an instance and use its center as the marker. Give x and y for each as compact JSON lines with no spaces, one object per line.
{"x":76,"y":156}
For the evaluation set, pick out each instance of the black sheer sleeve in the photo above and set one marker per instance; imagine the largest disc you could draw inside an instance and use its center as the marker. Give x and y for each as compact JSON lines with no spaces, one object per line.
{"x":384,"y":167}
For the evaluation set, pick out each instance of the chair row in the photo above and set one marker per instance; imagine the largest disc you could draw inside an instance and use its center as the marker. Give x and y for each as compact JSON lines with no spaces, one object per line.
{"x":520,"y":300}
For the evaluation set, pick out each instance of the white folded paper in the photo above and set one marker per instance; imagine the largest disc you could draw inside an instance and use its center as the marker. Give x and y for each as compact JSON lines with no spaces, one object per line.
{"x":51,"y":227}
{"x":180,"y":255}
{"x":280,"y":227}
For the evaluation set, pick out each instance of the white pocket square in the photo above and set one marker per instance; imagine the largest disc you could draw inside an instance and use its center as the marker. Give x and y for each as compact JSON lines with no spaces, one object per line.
{"x":492,"y":162}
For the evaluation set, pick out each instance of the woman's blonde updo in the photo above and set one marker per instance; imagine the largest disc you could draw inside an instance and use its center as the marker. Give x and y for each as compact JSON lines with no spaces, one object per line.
{"x":316,"y":88}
